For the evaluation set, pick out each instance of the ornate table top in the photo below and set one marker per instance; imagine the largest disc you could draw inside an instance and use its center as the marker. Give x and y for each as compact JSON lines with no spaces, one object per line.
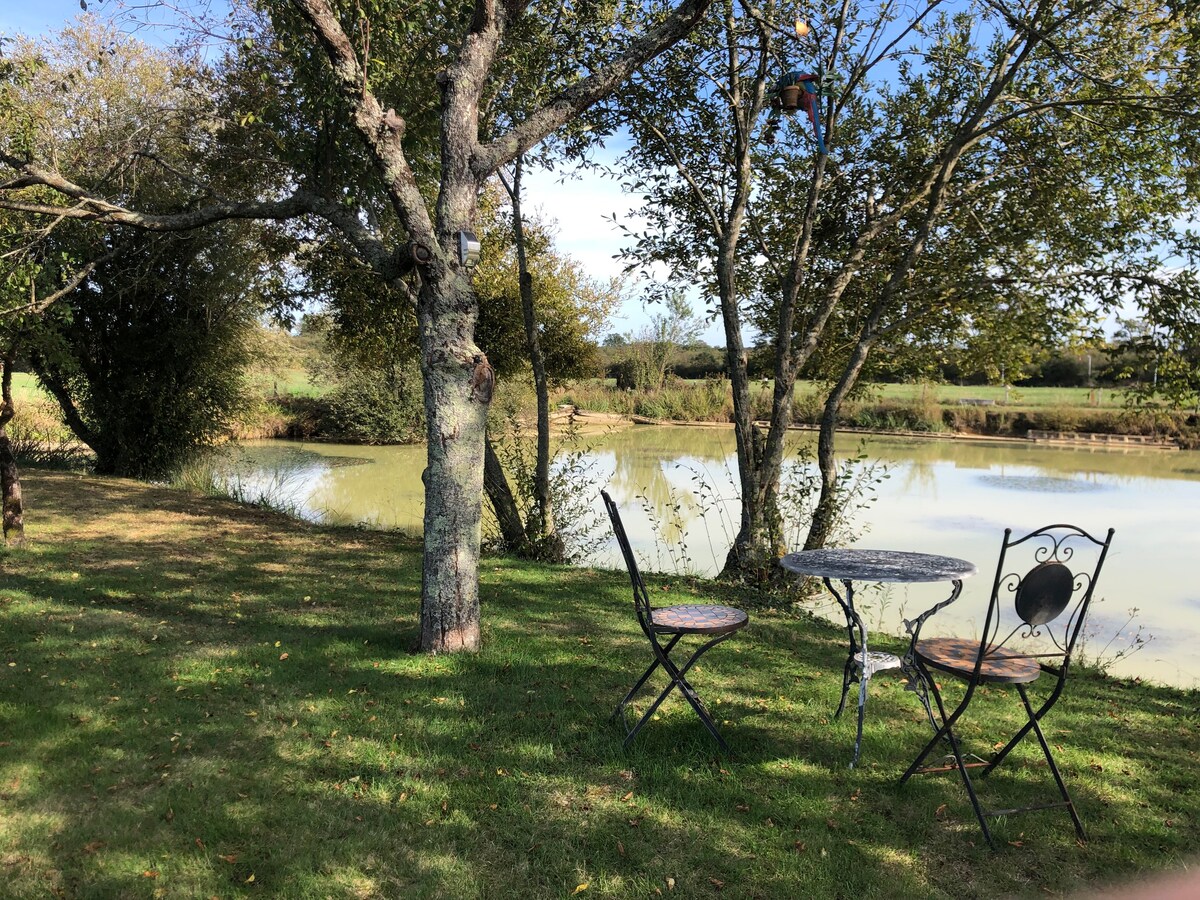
{"x":899,"y":566}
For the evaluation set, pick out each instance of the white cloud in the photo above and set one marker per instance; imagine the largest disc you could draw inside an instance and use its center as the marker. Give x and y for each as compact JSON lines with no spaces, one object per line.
{"x":581,"y":206}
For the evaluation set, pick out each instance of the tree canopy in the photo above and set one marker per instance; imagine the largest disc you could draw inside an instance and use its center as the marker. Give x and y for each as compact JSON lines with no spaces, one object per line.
{"x":982,"y":174}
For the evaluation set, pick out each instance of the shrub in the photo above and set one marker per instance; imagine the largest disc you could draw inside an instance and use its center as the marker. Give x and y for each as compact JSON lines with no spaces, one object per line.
{"x":146,"y":358}
{"x":374,"y":407}
{"x":709,"y":401}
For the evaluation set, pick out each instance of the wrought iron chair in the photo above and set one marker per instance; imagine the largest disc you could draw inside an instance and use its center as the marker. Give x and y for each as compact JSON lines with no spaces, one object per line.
{"x":1050,"y":604}
{"x":671,"y":623}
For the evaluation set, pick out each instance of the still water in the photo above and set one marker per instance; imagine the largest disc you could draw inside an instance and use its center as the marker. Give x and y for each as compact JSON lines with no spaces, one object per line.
{"x":675,"y":488}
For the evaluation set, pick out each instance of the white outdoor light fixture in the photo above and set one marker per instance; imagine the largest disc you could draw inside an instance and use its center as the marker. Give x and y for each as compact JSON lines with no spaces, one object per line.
{"x":468,"y":248}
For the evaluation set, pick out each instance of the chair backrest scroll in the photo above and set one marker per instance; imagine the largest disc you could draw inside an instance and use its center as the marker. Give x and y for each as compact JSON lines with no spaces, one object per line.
{"x":1051,"y":598}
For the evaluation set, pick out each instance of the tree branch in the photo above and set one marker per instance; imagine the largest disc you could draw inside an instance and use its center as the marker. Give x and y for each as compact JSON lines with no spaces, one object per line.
{"x":388,"y":263}
{"x":93,"y":208}
{"x":383,"y":131}
{"x":685,"y":172}
{"x":39,"y":306}
{"x":678,"y":22}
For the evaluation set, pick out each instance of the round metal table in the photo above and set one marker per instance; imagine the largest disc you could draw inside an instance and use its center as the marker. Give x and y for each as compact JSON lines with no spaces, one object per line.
{"x":873,"y":567}
{"x":892,"y":566}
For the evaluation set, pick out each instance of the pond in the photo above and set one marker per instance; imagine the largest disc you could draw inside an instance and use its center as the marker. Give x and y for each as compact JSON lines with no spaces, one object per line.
{"x":675,"y":488}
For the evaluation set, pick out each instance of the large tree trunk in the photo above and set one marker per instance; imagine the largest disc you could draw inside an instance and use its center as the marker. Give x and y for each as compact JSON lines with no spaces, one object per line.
{"x":10,"y":486}
{"x":10,"y":478}
{"x":458,"y":387}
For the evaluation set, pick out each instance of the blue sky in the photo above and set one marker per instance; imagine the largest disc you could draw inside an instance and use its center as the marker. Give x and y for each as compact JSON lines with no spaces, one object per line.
{"x":579,"y":206}
{"x":36,"y":16}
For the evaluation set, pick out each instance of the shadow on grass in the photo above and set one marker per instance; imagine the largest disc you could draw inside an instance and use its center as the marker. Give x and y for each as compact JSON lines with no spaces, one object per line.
{"x":200,"y":699}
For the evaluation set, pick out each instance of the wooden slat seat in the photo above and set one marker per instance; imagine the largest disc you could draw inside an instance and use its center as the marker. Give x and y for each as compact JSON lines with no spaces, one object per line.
{"x":698,"y":618}
{"x":957,"y":656}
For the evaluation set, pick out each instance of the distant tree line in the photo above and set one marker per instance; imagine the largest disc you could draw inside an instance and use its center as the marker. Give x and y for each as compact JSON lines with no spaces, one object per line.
{"x":1109,"y":366}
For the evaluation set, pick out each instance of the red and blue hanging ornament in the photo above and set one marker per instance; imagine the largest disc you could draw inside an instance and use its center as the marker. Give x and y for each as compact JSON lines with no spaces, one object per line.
{"x":800,"y":90}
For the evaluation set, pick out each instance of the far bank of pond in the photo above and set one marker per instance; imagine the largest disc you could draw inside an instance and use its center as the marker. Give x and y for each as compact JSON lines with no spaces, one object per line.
{"x":947,"y":497}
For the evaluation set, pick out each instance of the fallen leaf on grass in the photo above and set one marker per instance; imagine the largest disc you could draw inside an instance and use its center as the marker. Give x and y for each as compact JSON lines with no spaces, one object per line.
{"x":230,"y":858}
{"x":283,"y":656}
{"x":800,"y":846}
{"x":620,"y":849}
{"x":93,"y":846}
{"x":717,"y":883}
{"x":200,"y":843}
{"x":250,"y":879}
{"x":150,"y":873}
{"x":937,"y":813}
{"x":580,"y":887}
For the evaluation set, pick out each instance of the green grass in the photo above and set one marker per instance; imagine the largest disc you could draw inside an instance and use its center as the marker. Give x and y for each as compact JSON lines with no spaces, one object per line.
{"x":1017,"y":397}
{"x":287,"y":383}
{"x":200,"y":699}
{"x":26,"y":388}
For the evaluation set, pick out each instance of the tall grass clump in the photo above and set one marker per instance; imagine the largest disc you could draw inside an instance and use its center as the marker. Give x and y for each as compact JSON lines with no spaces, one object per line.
{"x":39,"y":437}
{"x":707,"y":401}
{"x":597,"y":396}
{"x":679,"y":401}
{"x":224,"y":474}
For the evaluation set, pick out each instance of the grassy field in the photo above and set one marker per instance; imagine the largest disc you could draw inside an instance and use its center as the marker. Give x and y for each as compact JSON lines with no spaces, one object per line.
{"x":26,"y":388}
{"x":200,"y":699}
{"x":951,"y":394}
{"x":288,"y":382}
{"x":1020,"y":397}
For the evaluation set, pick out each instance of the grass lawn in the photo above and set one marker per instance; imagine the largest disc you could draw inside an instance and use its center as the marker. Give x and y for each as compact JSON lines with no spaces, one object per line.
{"x":199,"y":699}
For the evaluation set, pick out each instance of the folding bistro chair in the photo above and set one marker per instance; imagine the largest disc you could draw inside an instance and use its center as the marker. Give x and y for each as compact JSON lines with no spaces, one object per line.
{"x":1050,"y":604}
{"x":671,"y":623}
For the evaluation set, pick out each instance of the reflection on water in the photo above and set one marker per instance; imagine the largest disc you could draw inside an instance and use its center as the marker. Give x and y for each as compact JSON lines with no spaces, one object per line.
{"x":1044,"y":484}
{"x":949,"y":497}
{"x":333,"y":483}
